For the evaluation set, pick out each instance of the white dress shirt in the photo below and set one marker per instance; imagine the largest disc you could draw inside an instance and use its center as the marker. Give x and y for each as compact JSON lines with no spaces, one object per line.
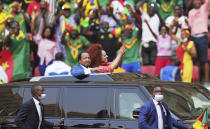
{"x":86,"y":70}
{"x":160,"y":118}
{"x":39,"y":111}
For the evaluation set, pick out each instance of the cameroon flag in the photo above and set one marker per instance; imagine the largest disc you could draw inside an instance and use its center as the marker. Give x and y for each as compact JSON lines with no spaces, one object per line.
{"x":16,"y":60}
{"x":202,"y":121}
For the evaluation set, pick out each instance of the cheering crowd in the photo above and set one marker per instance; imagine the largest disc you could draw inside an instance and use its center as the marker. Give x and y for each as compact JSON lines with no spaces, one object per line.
{"x":118,"y":35}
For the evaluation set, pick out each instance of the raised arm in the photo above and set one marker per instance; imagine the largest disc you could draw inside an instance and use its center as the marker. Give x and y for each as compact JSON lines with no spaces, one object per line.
{"x":173,"y":36}
{"x":24,"y":15}
{"x":63,"y":41}
{"x":33,"y":20}
{"x":117,"y":60}
{"x":57,"y":17}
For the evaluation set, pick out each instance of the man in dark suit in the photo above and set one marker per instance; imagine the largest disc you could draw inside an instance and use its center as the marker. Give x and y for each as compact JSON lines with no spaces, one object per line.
{"x":156,"y":115}
{"x":83,"y":70}
{"x":31,"y":114}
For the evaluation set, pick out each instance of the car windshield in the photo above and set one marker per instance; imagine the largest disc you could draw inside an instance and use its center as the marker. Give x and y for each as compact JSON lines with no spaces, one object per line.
{"x":185,"y":102}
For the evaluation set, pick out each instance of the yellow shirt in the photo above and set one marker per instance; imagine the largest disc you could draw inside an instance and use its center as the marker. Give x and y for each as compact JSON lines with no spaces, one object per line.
{"x":3,"y":17}
{"x":187,"y":71}
{"x":88,"y":5}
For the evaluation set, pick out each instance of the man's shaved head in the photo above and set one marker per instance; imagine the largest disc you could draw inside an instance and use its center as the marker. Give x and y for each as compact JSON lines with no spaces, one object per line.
{"x":34,"y":90}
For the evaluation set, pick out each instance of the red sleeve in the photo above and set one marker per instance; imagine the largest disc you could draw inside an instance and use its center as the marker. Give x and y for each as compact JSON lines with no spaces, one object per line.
{"x":31,"y":6}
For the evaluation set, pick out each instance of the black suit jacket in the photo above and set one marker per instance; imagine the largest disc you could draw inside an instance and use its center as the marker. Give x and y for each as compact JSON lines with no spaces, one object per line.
{"x":28,"y":118}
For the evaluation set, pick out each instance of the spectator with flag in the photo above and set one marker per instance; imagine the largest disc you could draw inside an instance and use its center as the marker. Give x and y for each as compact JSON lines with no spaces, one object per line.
{"x":16,"y":60}
{"x":185,"y":51}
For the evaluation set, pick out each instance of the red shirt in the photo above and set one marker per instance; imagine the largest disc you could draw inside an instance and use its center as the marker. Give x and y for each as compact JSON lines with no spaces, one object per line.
{"x":33,"y":5}
{"x":106,"y":67}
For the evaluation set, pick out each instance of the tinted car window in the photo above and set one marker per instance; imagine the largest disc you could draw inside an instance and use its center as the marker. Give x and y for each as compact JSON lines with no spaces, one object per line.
{"x":51,"y":106}
{"x":185,"y":102}
{"x":10,"y":101}
{"x":85,"y":102}
{"x":127,"y":101}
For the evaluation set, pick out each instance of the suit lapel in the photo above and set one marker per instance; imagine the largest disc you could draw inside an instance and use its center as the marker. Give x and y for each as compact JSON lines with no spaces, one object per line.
{"x":154,"y":111}
{"x":34,"y":107}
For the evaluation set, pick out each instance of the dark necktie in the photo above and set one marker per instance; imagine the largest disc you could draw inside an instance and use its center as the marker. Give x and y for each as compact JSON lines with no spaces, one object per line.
{"x":163,"y":114}
{"x":41,"y":107}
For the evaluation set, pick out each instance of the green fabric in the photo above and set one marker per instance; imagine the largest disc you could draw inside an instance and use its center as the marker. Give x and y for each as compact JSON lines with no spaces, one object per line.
{"x":126,"y":11}
{"x":103,"y":2}
{"x":73,"y":9}
{"x":20,"y":19}
{"x":85,"y":23}
{"x":169,"y":6}
{"x":21,"y":58}
{"x":7,"y":9}
{"x":205,"y":117}
{"x":132,"y":54}
{"x":70,"y":60}
{"x":132,"y":2}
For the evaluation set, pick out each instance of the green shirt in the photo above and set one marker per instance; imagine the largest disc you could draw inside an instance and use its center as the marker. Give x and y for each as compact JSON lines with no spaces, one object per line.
{"x":132,"y":48}
{"x":20,"y":19}
{"x":7,"y":9}
{"x":73,"y":47}
{"x":103,"y":2}
{"x":20,"y":49}
{"x":166,"y":9}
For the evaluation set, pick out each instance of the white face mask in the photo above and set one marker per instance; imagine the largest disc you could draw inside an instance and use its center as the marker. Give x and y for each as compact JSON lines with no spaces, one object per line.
{"x":184,"y":40}
{"x":43,"y":96}
{"x":158,"y":97}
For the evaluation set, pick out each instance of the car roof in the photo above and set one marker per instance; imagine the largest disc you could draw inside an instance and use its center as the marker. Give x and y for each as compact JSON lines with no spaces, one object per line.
{"x":108,"y":78}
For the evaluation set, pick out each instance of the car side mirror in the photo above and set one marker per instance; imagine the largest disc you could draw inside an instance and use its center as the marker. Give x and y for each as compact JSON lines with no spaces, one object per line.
{"x":136,"y":113}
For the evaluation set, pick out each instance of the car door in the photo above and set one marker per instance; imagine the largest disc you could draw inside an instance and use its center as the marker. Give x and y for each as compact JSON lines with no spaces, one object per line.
{"x":125,"y":101}
{"x":52,"y":102}
{"x":86,"y":107}
{"x":10,"y":101}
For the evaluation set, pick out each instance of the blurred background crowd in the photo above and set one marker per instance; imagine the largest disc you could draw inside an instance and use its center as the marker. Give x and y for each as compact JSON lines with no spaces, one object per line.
{"x":165,"y":38}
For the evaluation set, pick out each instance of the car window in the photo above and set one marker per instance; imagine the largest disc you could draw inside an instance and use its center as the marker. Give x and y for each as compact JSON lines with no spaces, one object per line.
{"x":127,"y":101}
{"x":85,"y":102}
{"x":185,"y":102}
{"x":10,"y":101}
{"x":51,"y":106}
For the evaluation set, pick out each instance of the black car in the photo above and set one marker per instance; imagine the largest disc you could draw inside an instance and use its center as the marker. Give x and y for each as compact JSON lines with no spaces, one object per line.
{"x":107,"y":101}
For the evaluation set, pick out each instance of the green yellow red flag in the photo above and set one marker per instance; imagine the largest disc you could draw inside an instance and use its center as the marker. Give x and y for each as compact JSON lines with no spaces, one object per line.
{"x":202,"y":121}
